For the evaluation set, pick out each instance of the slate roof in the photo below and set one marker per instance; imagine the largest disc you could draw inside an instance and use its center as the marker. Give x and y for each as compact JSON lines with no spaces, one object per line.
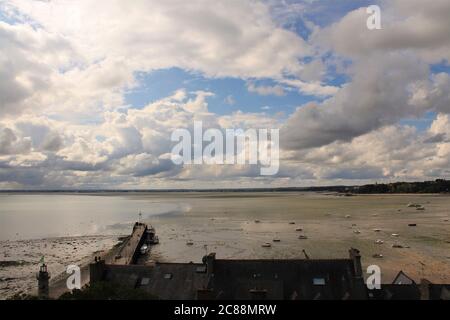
{"x":167,"y":281}
{"x":439,"y":292}
{"x":396,"y":292}
{"x":282,"y":279}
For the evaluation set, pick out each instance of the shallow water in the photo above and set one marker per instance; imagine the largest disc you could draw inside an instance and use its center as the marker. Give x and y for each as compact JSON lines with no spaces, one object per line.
{"x":35,"y":216}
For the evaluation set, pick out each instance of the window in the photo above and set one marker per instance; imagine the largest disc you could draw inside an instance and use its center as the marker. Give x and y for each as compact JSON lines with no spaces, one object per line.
{"x":319,"y":281}
{"x":167,"y":276}
{"x":200,"y":269}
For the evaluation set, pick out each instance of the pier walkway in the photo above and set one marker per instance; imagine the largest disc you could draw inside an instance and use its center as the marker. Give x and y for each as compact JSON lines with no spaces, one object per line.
{"x":129,"y":251}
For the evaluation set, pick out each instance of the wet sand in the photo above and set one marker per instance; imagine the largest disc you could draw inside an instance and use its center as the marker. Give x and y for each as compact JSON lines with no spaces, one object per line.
{"x":20,"y":260}
{"x":225,"y":224}
{"x":58,"y":286}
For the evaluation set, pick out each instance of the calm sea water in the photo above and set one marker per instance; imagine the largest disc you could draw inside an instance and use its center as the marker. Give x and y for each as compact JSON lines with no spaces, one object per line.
{"x":36,"y":216}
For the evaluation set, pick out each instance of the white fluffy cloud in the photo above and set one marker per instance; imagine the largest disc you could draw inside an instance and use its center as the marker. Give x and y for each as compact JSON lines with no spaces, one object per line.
{"x":276,"y":90}
{"x":406,"y":25}
{"x":389,"y":70}
{"x":219,"y":38}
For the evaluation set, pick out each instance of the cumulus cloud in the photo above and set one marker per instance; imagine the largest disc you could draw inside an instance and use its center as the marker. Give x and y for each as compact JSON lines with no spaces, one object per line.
{"x":10,"y":144}
{"x":276,"y":90}
{"x":128,"y":146}
{"x":405,"y":25}
{"x":374,"y":98}
{"x":220,"y":38}
{"x":389,"y":70}
{"x":314,"y":88}
{"x":25,"y":76}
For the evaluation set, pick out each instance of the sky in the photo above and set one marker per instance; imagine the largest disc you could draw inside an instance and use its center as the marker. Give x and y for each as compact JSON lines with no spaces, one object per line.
{"x":90,"y":91}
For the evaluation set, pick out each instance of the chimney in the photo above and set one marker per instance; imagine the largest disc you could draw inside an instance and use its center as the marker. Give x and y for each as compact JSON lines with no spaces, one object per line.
{"x":358,"y":287}
{"x":209,"y":260}
{"x":356,"y":258}
{"x":96,"y":270}
{"x":424,"y":288}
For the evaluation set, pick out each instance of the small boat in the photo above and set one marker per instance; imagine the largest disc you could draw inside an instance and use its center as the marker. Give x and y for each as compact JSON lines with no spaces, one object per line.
{"x":292,"y":222}
{"x":257,"y":221}
{"x":376,"y":230}
{"x":302,"y":237}
{"x":395,"y":234}
{"x":377,"y":256}
{"x":155,"y":240}
{"x":412,"y":225}
{"x":357,"y":231}
{"x":276,"y":240}
{"x":151,"y":237}
{"x":299,"y":229}
{"x":348,"y":216}
{"x":144,"y":249}
{"x":379,"y":241}
{"x":397,"y":246}
{"x":266,"y":245}
{"x":420,"y":208}
{"x":190,"y":243}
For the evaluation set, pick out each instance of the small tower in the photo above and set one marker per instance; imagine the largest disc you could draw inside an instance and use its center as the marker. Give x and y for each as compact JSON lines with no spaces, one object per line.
{"x":43,"y":276}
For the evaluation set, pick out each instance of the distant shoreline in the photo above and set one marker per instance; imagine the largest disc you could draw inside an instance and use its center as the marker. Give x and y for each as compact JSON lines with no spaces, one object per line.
{"x":294,"y":189}
{"x":439,"y":186}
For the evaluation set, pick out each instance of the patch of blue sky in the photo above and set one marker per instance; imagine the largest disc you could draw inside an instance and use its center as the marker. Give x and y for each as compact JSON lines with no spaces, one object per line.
{"x":333,"y":76}
{"x":5,"y":15}
{"x":300,"y":27}
{"x":230,"y":94}
{"x":100,"y":138}
{"x":12,"y":16}
{"x":326,"y":12}
{"x":421,"y":124}
{"x":441,"y":67}
{"x":338,"y":80}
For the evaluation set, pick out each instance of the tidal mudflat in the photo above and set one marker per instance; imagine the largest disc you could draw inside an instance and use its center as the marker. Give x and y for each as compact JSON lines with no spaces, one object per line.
{"x":386,"y":231}
{"x":69,"y":228}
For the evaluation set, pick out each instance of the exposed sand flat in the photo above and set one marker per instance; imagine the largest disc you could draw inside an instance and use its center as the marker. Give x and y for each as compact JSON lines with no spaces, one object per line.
{"x":225,"y":223}
{"x":23,"y":257}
